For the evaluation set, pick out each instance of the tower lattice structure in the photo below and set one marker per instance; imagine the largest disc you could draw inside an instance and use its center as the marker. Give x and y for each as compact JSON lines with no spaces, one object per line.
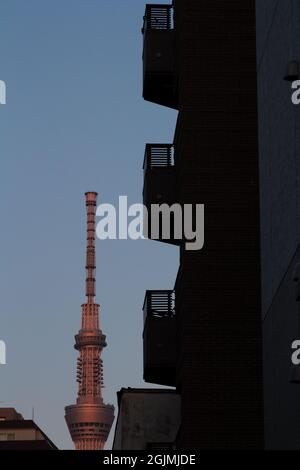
{"x":90,"y":420}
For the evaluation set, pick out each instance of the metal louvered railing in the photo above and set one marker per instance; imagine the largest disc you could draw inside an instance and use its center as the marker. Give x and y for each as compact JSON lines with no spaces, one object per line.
{"x":158,"y":156}
{"x":158,"y":17}
{"x":159,"y":304}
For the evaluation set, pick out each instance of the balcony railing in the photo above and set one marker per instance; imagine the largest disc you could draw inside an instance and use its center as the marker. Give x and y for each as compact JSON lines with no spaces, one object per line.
{"x":159,"y":187}
{"x":158,"y":156}
{"x":160,"y":337}
{"x":159,"y":304}
{"x":158,"y":17}
{"x":160,"y":83}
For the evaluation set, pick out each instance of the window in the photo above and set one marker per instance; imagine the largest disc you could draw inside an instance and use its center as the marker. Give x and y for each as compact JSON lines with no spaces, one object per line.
{"x":7,"y":436}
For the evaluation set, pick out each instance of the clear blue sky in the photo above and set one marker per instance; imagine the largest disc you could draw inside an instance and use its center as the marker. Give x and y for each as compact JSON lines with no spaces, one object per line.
{"x":74,"y":121}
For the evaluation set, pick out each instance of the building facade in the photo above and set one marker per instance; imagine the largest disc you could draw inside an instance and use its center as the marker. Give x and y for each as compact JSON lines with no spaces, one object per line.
{"x":278,"y":55}
{"x":223,"y":335}
{"x":200,"y":58}
{"x":17,"y":433}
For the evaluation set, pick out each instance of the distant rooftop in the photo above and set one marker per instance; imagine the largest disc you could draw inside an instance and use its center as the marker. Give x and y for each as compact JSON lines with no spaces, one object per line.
{"x":17,"y":433}
{"x":10,"y":414}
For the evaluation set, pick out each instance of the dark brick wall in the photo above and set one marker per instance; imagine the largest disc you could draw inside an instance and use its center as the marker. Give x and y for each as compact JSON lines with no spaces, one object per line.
{"x":218,"y":291}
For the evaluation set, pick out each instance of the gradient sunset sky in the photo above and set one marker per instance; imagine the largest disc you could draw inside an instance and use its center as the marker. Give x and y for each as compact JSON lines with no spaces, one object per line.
{"x":75,"y":121}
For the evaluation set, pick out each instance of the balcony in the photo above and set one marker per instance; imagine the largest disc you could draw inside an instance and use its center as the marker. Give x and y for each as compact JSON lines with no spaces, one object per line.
{"x":160,"y":337}
{"x":159,"y":175}
{"x":159,"y":85}
{"x":159,"y":188}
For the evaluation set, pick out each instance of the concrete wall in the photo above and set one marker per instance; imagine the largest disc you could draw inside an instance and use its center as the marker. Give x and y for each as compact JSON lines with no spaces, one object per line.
{"x":146,"y":417}
{"x":278,"y":42}
{"x":282,"y":403}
